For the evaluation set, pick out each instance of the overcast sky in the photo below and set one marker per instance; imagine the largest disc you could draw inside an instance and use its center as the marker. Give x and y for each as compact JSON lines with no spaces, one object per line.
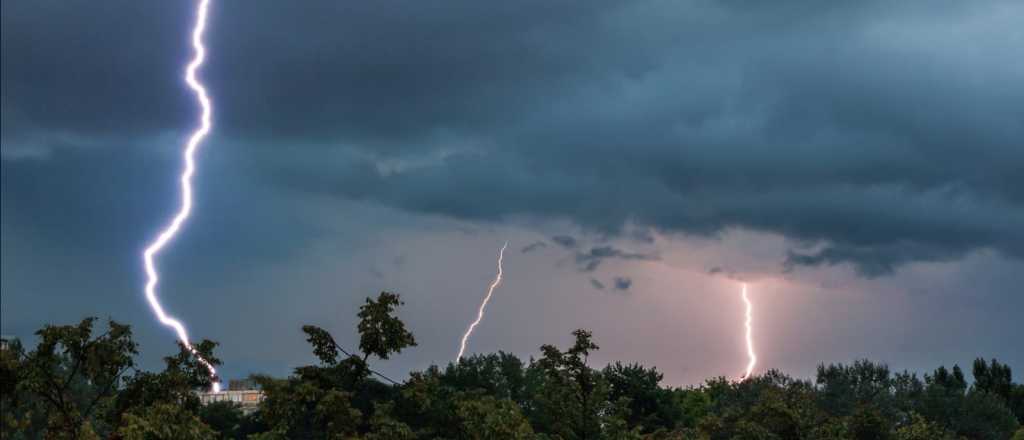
{"x":860,"y":164}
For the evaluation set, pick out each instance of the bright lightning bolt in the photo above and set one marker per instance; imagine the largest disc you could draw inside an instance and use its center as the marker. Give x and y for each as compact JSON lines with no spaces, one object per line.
{"x":480,"y":312}
{"x":168,"y":233}
{"x":750,"y":339}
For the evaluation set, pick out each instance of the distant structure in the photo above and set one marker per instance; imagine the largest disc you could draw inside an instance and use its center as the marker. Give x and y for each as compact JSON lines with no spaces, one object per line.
{"x":245,"y":393}
{"x":5,"y":341}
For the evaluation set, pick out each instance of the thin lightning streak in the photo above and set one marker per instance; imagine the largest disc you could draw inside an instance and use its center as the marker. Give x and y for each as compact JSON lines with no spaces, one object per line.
{"x":168,"y":233}
{"x":480,"y":312}
{"x":750,"y":339}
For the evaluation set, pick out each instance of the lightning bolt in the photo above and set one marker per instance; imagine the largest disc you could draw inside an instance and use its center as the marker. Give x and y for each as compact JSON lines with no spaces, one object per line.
{"x":169,"y":231}
{"x":480,"y":312}
{"x":750,"y":339}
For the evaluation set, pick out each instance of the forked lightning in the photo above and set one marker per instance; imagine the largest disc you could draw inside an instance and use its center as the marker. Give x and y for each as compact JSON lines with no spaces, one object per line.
{"x":750,"y":340}
{"x":169,"y":231}
{"x":480,"y":312}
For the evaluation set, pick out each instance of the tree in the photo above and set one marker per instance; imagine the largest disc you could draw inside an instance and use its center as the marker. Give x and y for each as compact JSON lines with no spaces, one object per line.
{"x":1017,"y":402}
{"x":183,"y":374}
{"x":997,"y":379}
{"x":973,"y":413}
{"x":994,"y":378}
{"x":74,"y":385}
{"x":921,"y":429}
{"x":650,"y":406}
{"x":380,"y":332}
{"x":428,"y":405}
{"x":772,"y":405}
{"x":953,"y":381}
{"x":335,"y":398}
{"x":907,"y":391}
{"x":830,"y":429}
{"x":499,"y":375}
{"x":844,"y":389}
{"x":81,"y":384}
{"x":694,"y":404}
{"x":164,"y":421}
{"x":73,"y":374}
{"x":385,"y":427}
{"x":570,"y":398}
{"x":943,"y":395}
{"x":225,"y":418}
{"x":867,"y":423}
{"x":776,"y":416}
{"x":984,"y":416}
{"x":488,"y":417}
{"x":297,"y":408}
{"x":19,"y":415}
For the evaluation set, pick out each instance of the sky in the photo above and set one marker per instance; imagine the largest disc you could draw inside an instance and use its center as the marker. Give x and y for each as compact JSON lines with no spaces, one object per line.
{"x":858,"y":164}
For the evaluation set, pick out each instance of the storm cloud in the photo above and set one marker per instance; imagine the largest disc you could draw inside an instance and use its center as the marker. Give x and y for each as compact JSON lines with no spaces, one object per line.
{"x":533,"y":246}
{"x":589,"y":261}
{"x":623,"y":283}
{"x":868,"y":129}
{"x":566,"y":241}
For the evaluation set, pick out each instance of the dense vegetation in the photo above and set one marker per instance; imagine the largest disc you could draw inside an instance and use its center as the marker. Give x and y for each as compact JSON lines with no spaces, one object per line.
{"x":79,"y":384}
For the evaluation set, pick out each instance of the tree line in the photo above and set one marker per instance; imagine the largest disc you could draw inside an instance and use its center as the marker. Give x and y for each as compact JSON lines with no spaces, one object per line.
{"x":80,"y":382}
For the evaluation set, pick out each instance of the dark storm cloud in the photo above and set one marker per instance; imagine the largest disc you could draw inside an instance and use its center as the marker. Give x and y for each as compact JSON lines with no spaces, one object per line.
{"x":623,"y":283}
{"x":787,"y":266}
{"x":565,"y":241}
{"x":100,"y":69}
{"x":873,"y":261}
{"x":533,"y":246}
{"x":885,"y":134}
{"x":589,"y":261}
{"x":112,"y":200}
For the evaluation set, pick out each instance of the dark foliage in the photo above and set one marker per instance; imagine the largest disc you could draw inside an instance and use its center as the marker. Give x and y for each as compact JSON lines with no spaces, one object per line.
{"x":76,"y":384}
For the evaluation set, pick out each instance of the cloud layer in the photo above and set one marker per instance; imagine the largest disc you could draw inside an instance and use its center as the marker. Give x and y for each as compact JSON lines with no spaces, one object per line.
{"x":883,"y":134}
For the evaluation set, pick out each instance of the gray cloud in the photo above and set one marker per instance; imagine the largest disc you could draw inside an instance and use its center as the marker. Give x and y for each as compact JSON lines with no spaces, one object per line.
{"x":533,"y":246}
{"x":623,"y":283}
{"x":565,"y":241}
{"x":860,"y":128}
{"x":589,"y":261}
{"x":872,"y":261}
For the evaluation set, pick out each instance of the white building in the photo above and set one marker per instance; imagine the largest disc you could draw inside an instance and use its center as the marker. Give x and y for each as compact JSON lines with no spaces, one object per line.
{"x":248,"y":400}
